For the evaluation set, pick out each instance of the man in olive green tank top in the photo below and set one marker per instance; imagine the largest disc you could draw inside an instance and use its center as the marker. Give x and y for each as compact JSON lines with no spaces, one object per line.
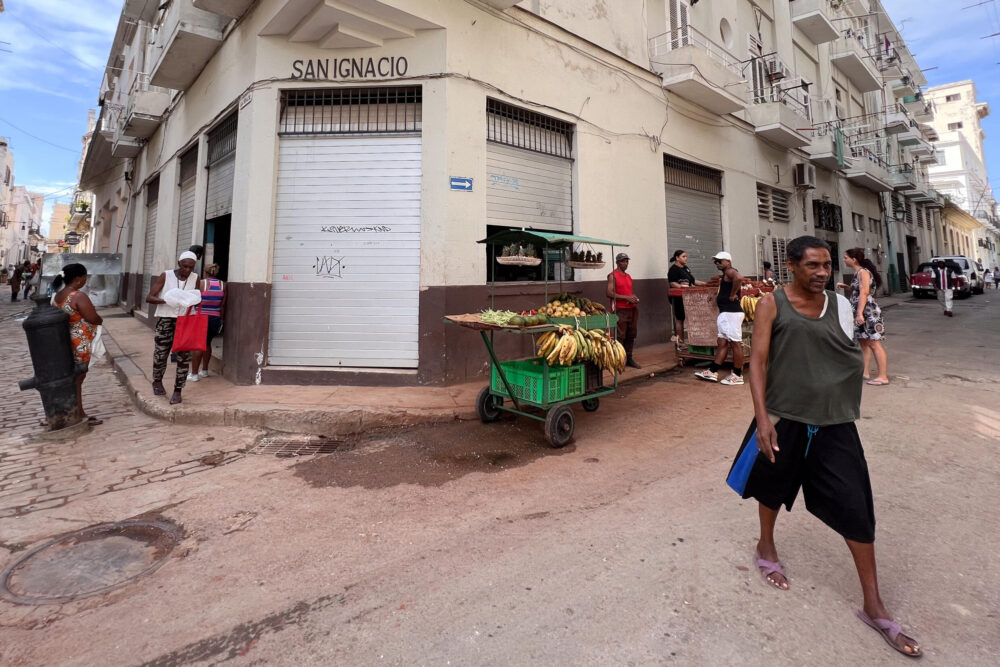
{"x":805,"y":378}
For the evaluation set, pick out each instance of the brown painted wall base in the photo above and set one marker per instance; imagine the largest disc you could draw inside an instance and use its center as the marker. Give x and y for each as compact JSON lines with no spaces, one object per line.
{"x":449,"y":354}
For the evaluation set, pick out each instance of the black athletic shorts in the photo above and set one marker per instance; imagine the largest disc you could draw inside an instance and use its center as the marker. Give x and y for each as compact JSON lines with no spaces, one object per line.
{"x":829,"y":464}
{"x":678,"y":303}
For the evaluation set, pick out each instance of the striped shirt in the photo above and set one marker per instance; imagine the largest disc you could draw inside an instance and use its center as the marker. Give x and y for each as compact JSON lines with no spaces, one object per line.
{"x":211,"y":297}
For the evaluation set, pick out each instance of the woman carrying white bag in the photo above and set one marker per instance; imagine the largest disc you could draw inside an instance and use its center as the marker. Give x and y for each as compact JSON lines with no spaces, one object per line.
{"x":173,"y":292}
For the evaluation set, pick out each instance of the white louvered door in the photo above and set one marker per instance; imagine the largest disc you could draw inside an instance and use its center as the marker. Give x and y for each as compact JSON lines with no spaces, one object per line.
{"x":219,"y":199}
{"x":346,"y":261}
{"x":185,"y":216}
{"x":148,"y":248}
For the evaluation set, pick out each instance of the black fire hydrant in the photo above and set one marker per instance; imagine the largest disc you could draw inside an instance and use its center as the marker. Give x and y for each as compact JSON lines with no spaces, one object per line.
{"x":47,"y":329}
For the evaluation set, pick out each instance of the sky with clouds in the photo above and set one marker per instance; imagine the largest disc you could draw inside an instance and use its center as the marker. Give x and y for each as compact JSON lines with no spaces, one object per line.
{"x":53,"y":52}
{"x":52,"y":58}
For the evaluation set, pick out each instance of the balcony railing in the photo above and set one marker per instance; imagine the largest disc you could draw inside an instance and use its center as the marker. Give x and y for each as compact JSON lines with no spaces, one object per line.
{"x":795,"y":99}
{"x":689,"y":36}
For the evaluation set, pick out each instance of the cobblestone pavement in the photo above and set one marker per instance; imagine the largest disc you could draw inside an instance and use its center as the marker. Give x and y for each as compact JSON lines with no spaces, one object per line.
{"x":129,"y":450}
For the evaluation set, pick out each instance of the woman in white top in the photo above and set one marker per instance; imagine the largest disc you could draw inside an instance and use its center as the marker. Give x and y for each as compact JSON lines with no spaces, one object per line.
{"x":184,"y":279}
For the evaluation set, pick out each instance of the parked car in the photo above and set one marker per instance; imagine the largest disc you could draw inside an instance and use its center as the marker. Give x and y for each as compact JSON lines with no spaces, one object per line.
{"x":922,"y":281}
{"x":968,"y":280}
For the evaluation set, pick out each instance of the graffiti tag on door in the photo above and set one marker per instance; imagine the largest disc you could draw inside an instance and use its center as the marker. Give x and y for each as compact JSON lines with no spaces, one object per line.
{"x":329,"y":267}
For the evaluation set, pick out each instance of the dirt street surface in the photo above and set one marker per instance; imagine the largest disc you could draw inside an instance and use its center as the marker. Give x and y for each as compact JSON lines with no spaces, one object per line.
{"x":476,"y":544}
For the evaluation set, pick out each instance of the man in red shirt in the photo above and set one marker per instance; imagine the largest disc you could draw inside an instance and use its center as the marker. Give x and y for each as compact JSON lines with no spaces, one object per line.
{"x":625,"y":304}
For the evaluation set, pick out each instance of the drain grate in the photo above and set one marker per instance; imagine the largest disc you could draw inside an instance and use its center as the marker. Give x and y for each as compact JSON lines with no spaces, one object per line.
{"x":287,"y":446}
{"x":87,"y":562}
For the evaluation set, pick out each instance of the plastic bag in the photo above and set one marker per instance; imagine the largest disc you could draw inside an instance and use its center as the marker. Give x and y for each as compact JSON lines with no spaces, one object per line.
{"x":179,"y":298}
{"x":98,"y":353}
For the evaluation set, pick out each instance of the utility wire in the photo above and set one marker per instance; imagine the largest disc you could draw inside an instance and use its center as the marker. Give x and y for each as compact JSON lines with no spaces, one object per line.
{"x":44,"y":141}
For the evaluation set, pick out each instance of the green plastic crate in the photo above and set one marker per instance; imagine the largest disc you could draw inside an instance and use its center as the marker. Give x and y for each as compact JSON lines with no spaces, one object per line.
{"x":701,"y":349}
{"x":527,"y":380}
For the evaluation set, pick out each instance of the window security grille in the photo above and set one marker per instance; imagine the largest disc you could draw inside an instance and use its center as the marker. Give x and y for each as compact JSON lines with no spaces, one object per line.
{"x":779,"y":257}
{"x":772,"y":204}
{"x":920,"y":216}
{"x":222,"y":140}
{"x":691,"y":175}
{"x":859,"y":222}
{"x":389,"y":110}
{"x":153,"y":191}
{"x":189,"y":165}
{"x":520,"y":128}
{"x":828,"y":216}
{"x":909,"y":213}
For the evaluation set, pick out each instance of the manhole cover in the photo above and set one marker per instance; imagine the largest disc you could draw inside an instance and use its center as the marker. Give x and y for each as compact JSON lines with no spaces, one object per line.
{"x":88,"y":562}
{"x":286,"y":446}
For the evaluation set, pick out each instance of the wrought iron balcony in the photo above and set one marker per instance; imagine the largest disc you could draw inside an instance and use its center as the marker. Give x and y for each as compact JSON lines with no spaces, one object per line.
{"x":829,"y":149}
{"x":849,"y":54}
{"x":699,"y":70}
{"x":781,"y":112}
{"x":869,"y":170}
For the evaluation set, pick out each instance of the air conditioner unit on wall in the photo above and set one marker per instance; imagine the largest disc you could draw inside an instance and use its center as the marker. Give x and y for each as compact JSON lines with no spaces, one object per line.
{"x":805,"y":175}
{"x":776,"y":70}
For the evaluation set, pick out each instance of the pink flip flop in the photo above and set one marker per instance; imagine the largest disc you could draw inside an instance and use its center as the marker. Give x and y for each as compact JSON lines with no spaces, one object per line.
{"x":889,"y":630}
{"x":877,"y":383}
{"x":766,"y":568}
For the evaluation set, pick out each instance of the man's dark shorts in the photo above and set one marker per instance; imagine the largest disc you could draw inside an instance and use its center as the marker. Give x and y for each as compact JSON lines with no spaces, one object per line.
{"x":831,"y":469}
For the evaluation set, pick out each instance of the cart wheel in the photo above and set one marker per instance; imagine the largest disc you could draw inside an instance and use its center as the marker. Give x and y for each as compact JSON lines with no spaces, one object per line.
{"x":487,"y":406}
{"x":559,"y":424}
{"x":591,"y":404}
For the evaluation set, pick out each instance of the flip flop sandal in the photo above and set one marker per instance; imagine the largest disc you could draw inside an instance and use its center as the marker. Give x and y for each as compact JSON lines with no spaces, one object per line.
{"x":865,"y":378}
{"x":176,"y":398}
{"x":767,"y":568}
{"x":158,"y":390}
{"x":877,"y":383}
{"x":889,"y":630}
{"x":94,"y":421}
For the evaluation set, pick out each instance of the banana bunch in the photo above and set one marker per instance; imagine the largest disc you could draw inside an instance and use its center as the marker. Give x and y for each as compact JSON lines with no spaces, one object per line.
{"x":568,"y":345}
{"x":749,"y":306}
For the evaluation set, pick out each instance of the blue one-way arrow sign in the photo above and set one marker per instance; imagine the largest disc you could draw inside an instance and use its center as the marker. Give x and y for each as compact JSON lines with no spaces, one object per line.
{"x":461,"y":183}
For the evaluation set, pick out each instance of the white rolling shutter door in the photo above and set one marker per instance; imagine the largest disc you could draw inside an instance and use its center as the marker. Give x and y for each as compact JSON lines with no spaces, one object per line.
{"x":694,"y":224}
{"x":525,"y":188}
{"x":346,"y":261}
{"x":185,"y":209}
{"x":219,"y":199}
{"x":149,"y":245}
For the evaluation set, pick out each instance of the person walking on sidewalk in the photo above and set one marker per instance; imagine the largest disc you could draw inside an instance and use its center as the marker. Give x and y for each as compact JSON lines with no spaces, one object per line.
{"x":625,"y":304}
{"x":213,"y":304}
{"x":184,"y":280}
{"x":944,"y":282}
{"x":15,"y":281}
{"x":869,"y":326}
{"x":83,"y":322}
{"x":805,"y":379}
{"x":679,"y":276}
{"x":729,"y":323}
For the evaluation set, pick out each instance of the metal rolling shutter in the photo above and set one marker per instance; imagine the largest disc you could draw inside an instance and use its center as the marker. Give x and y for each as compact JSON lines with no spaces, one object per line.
{"x":694,"y":224}
{"x":346,"y":261}
{"x":221,"y":168}
{"x":694,"y":214}
{"x":149,"y":245}
{"x":529,"y":169}
{"x":528,"y":189}
{"x":185,"y":210}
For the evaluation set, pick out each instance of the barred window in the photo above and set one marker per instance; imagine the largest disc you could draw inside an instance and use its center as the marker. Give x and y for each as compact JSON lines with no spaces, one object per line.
{"x":520,"y":128}
{"x":153,"y":191}
{"x":385,"y":110}
{"x":920,"y":216}
{"x":691,"y":175}
{"x":222,"y":139}
{"x":772,"y":204}
{"x":779,"y":257}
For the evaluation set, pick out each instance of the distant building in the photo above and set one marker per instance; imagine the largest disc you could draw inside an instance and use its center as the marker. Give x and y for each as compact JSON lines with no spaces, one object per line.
{"x":57,"y":228}
{"x":24,"y":218}
{"x":960,"y":173}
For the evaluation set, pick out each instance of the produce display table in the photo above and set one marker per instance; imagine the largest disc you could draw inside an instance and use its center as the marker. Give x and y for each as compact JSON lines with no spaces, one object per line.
{"x":537,"y":385}
{"x":700,"y":314}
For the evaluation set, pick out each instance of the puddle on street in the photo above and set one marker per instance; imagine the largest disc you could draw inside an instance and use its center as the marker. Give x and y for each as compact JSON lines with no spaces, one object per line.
{"x":432,"y":455}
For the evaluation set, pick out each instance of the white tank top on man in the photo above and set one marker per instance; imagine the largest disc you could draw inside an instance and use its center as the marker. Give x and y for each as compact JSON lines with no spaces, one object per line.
{"x":171,"y":283}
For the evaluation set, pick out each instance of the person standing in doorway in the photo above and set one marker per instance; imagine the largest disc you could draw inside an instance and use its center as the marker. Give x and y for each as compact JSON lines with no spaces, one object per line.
{"x":729,"y":323}
{"x":805,"y":379}
{"x":625,"y":304}
{"x":944,"y":283}
{"x":870,"y":327}
{"x":679,"y":276}
{"x":182,"y":278}
{"x":213,"y":300}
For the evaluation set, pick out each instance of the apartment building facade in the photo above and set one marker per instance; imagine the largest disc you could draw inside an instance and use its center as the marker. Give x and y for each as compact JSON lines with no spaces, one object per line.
{"x":23,"y":220}
{"x":960,"y":172}
{"x":340,"y":161}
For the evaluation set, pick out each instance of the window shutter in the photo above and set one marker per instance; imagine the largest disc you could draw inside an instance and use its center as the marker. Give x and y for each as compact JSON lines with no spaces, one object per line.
{"x":780,"y":206}
{"x":763,"y":202}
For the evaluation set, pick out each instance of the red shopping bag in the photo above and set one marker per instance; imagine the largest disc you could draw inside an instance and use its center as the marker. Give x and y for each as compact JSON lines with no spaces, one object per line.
{"x":191,"y":332}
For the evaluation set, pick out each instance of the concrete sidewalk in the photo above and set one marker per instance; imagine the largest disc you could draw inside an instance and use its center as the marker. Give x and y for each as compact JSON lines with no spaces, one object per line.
{"x":329,"y":410}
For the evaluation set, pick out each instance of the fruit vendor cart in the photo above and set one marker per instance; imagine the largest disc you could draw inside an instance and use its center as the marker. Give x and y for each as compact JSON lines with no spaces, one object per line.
{"x":574,"y":337}
{"x":700,"y":313}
